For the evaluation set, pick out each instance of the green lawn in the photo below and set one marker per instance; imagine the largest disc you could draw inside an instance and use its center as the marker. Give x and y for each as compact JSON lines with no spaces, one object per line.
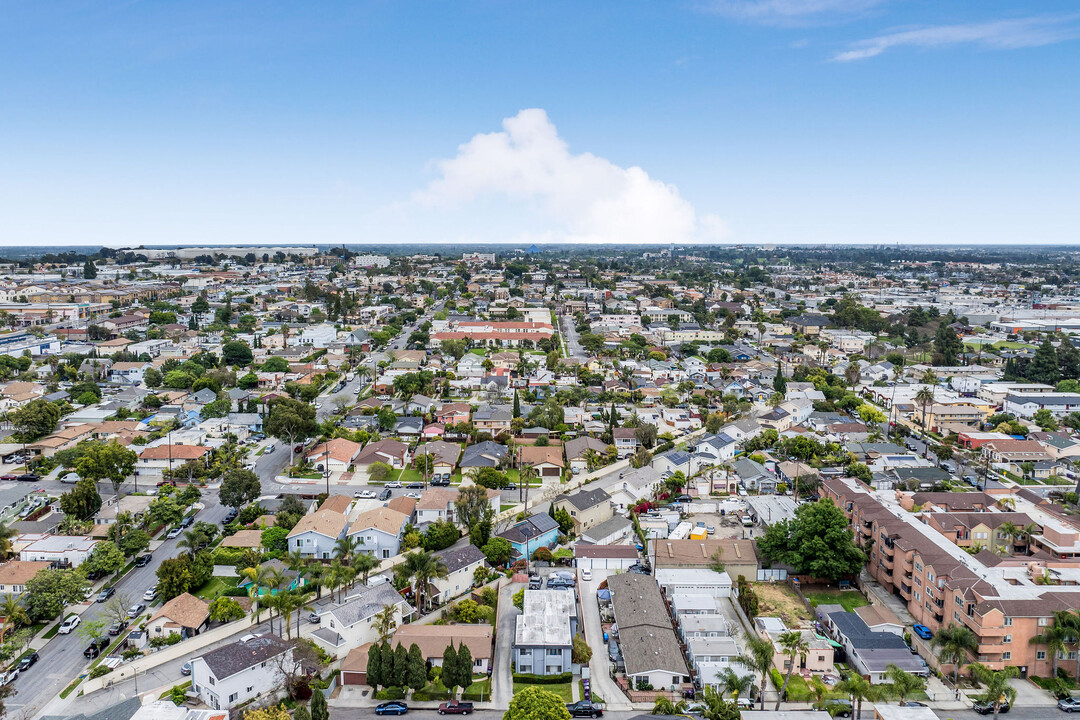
{"x":1009,"y":345}
{"x":215,"y":587}
{"x":513,"y":476}
{"x":581,"y":693}
{"x":504,"y":507}
{"x":563,"y":690}
{"x":477,"y":691}
{"x":51,"y":633}
{"x":850,"y":599}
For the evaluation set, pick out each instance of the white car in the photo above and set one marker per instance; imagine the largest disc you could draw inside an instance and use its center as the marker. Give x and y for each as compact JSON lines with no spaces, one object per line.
{"x":70,"y":624}
{"x":70,"y":479}
{"x":414,"y":496}
{"x":150,"y":595}
{"x":364,"y":494}
{"x":394,"y":484}
{"x":586,"y":574}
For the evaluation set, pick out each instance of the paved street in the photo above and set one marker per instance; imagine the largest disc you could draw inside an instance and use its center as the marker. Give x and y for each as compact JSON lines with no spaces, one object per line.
{"x":573,"y":340}
{"x":62,"y":657}
{"x":600,"y":664}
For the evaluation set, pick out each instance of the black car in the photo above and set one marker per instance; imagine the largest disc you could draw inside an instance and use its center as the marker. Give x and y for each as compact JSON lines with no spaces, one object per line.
{"x":187,"y":521}
{"x":838,"y":707}
{"x":117,"y":627}
{"x":230,"y":516}
{"x":105,"y":594}
{"x":987,"y":708}
{"x":415,"y":486}
{"x":28,"y":477}
{"x":584,"y":708}
{"x":27,"y":661}
{"x":95,"y":647}
{"x":385,"y":494}
{"x":640,"y":569}
{"x":143,"y":560}
{"x":394,"y":707}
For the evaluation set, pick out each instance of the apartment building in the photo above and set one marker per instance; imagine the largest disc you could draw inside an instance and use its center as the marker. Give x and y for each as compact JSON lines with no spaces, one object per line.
{"x":1005,"y":601}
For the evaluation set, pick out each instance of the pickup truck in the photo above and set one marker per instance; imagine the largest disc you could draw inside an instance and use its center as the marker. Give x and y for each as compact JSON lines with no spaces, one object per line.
{"x":455,"y":708}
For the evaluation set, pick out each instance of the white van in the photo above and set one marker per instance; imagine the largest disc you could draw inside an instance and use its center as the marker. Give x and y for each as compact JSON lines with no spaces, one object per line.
{"x":70,"y":624}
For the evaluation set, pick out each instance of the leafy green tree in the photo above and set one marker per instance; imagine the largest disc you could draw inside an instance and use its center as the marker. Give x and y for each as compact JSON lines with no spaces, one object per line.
{"x":903,"y":684}
{"x":82,"y":501}
{"x":106,"y":558}
{"x":536,"y":703}
{"x":107,"y":461}
{"x":225,"y":609}
{"x":174,"y":577}
{"x":236,"y":353}
{"x":275,"y":539}
{"x":50,"y":591}
{"x":818,"y":541}
{"x":947,"y":344}
{"x":134,"y":541}
{"x":239,"y":487}
{"x":1043,"y":368}
{"x":34,"y":420}
{"x":497,"y":551}
{"x":164,"y":511}
{"x":275,"y":365}
{"x":291,"y":420}
{"x":401,"y":666}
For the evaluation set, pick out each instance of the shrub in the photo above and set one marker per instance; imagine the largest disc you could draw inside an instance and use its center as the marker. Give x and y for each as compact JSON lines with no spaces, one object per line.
{"x":543,"y":679}
{"x":99,"y":671}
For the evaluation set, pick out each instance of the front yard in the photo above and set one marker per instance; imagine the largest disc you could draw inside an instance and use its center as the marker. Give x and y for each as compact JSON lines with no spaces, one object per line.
{"x":216,"y":587}
{"x":849,"y":599}
{"x":563,"y":690}
{"x":780,"y":600}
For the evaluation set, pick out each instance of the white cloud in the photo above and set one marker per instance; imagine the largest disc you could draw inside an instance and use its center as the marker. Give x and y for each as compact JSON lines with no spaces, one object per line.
{"x":789,"y":12}
{"x":585,"y":198}
{"x":997,"y":35}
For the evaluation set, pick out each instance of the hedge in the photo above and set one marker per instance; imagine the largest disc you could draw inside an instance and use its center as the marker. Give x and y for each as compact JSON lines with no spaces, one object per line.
{"x":543,"y":679}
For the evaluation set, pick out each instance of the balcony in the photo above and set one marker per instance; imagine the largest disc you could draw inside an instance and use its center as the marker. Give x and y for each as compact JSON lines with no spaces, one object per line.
{"x":905,"y":590}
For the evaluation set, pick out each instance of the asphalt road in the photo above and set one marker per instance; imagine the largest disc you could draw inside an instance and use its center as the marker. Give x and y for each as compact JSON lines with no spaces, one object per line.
{"x":573,"y":340}
{"x":62,"y":657}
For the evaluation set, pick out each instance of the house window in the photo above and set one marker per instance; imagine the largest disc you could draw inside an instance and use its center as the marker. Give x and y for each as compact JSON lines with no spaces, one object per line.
{"x":1040,"y":655}
{"x":929,"y":577}
{"x":1007,"y":639}
{"x":211,"y":679}
{"x":1008,"y":622}
{"x":955,"y":615}
{"x":1043,"y":622}
{"x":917,"y":596}
{"x":1006,"y":656}
{"x":554,"y":652}
{"x":232,"y":698}
{"x":958,"y":600}
{"x":250,"y":688}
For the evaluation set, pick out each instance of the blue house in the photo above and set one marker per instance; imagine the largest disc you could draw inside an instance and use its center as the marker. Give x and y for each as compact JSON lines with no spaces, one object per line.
{"x":537,"y":531}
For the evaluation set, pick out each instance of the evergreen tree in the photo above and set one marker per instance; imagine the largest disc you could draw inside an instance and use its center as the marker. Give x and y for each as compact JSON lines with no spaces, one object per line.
{"x":386,"y":664}
{"x":1043,"y":368}
{"x":319,"y":710}
{"x":449,"y":668}
{"x":301,"y":712}
{"x":1068,"y":358}
{"x":401,"y":666}
{"x":464,"y":666}
{"x":947,"y":344}
{"x":416,"y":669}
{"x":517,"y":405}
{"x":89,"y":270}
{"x":779,"y":382}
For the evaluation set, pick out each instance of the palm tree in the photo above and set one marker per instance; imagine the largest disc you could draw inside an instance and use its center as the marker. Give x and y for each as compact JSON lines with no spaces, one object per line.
{"x":385,"y":622}
{"x":421,"y":567}
{"x":363,"y":563}
{"x":760,"y":660}
{"x":1011,"y":531}
{"x":1025,"y":534}
{"x":1054,"y":638}
{"x":793,"y":644}
{"x":260,"y":578}
{"x":14,"y":614}
{"x":902,"y":683}
{"x":191,"y":540}
{"x":859,"y":689}
{"x":345,"y":547}
{"x":295,"y":561}
{"x":316,"y":575}
{"x":734,"y":684}
{"x":6,"y":534}
{"x":997,"y":684}
{"x":1071,"y":621}
{"x":820,"y":690}
{"x":954,"y":644}
{"x":924,"y":399}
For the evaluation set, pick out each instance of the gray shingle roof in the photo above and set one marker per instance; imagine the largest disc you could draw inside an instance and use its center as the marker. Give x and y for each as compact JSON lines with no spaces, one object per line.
{"x":370,"y":601}
{"x":230,"y":659}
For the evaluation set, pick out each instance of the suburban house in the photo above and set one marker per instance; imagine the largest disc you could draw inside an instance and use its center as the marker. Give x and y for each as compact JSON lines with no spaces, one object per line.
{"x":626,"y":442}
{"x":433,"y":639}
{"x":336,"y":455}
{"x":349,"y":624}
{"x":483,"y":454}
{"x":536,"y":531}
{"x":738,"y":556}
{"x":586,"y":507}
{"x":64,"y":550}
{"x":14,"y":575}
{"x":185,"y":615}
{"x":444,"y":457}
{"x":317,"y":532}
{"x":547,"y":460}
{"x":247,"y":669}
{"x":615,"y":529}
{"x":604,"y":557}
{"x":437,"y":503}
{"x":393,"y":453}
{"x":492,"y":421}
{"x":544,"y":636}
{"x":872,"y":652}
{"x":650,"y":649}
{"x":379,"y":531}
{"x":579,"y":450}
{"x":162,"y":457}
{"x":461,"y":563}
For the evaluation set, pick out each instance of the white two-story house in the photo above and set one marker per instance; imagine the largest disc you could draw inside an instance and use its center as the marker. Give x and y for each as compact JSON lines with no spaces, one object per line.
{"x":241,"y":671}
{"x":316,"y":533}
{"x":379,"y":531}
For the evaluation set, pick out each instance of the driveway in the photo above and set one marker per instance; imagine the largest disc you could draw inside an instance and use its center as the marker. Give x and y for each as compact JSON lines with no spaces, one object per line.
{"x":502,"y":678}
{"x":600,"y":665}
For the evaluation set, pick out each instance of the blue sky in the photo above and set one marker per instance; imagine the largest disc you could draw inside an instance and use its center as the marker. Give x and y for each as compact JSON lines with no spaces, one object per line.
{"x":839,"y":121}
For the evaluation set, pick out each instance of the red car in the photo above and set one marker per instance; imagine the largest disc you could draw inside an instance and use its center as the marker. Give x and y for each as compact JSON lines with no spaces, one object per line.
{"x":455,"y":708}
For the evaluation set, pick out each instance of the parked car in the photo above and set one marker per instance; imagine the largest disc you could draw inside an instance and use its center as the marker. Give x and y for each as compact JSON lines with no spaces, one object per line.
{"x":230,"y":516}
{"x":1069,"y":704}
{"x":415,"y":486}
{"x":413,"y":496}
{"x":385,"y":494}
{"x":105,"y":594}
{"x":837,"y":707}
{"x":136,"y":610}
{"x":987,"y":708}
{"x":28,"y":477}
{"x":922,"y":631}
{"x":185,"y":669}
{"x":175,"y":532}
{"x":913,"y":703}
{"x":365,"y":494}
{"x":187,"y":521}
{"x":150,"y":595}
{"x":584,"y":708}
{"x":586,"y":574}
{"x":9,"y":676}
{"x":27,"y":661}
{"x":314,"y":618}
{"x":455,"y":708}
{"x":143,"y":560}
{"x":70,"y":478}
{"x":394,"y":707}
{"x":95,"y":647}
{"x":394,"y":484}
{"x":536,"y":582}
{"x":640,"y":569}
{"x":117,"y":627}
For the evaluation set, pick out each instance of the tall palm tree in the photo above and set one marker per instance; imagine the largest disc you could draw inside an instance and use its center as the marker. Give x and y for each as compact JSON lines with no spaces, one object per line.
{"x":734,"y":684}
{"x":6,"y":533}
{"x":191,"y":540}
{"x":924,"y":399}
{"x":759,"y":658}
{"x":1071,"y":621}
{"x":794,"y":646}
{"x":954,"y":644}
{"x":385,"y":623}
{"x":345,"y":547}
{"x":1010,"y":531}
{"x":316,"y":576}
{"x":1025,"y":534}
{"x":997,"y":684}
{"x":363,"y":563}
{"x":1054,"y":637}
{"x":421,"y":567}
{"x":260,"y":578}
{"x":295,"y":561}
{"x":859,"y":689}
{"x":902,"y":683}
